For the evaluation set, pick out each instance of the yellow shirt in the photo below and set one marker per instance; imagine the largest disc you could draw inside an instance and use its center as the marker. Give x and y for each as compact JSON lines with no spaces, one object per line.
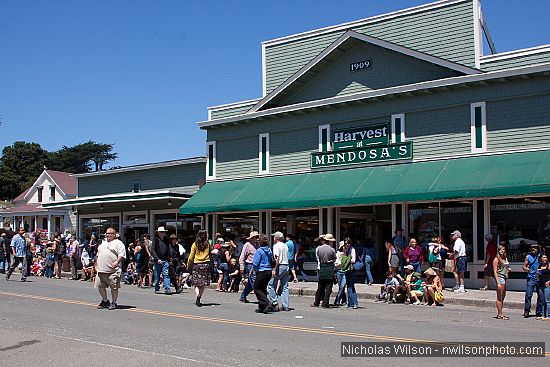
{"x":198,"y":256}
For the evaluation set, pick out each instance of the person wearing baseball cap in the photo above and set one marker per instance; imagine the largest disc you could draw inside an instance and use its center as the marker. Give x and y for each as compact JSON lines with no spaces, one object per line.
{"x":280,"y":273}
{"x":459,"y":249}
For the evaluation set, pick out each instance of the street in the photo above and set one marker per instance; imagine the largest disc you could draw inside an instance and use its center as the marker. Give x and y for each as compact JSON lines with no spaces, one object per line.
{"x":56,"y":321}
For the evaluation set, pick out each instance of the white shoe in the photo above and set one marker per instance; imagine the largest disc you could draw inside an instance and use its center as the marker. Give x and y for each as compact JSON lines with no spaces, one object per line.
{"x":416,"y":303}
{"x":460,"y":290}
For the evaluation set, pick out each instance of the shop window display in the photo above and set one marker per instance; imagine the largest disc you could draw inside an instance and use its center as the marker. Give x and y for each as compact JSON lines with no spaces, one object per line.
{"x":302,"y":224}
{"x":520,"y":223}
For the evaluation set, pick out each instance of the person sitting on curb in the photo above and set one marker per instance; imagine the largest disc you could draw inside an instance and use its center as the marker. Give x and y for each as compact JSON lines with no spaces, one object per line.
{"x":432,"y":288}
{"x":402,"y":290}
{"x":387,"y":290}
{"x":415,"y":289}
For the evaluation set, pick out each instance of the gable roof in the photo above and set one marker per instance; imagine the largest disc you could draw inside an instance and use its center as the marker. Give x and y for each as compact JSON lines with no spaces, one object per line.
{"x":372,"y":40}
{"x":64,"y":181}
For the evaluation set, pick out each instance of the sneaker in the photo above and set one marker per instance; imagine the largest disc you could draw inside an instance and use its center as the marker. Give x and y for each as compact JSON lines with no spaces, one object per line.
{"x":112,"y":306}
{"x":286,"y":309}
{"x":416,"y":303}
{"x":23,"y":279}
{"x":7,"y":277}
{"x":103,"y":304}
{"x":198,"y":302}
{"x":526,"y":315}
{"x":167,"y":291}
{"x":455,"y":288}
{"x":244,"y":300}
{"x":355,"y":307}
{"x":460,"y":290}
{"x":266,"y":311}
{"x":157,"y":292}
{"x":273,"y":308}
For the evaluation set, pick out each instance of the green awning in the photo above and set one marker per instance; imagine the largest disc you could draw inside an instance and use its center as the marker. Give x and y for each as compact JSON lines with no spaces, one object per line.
{"x":474,"y":177}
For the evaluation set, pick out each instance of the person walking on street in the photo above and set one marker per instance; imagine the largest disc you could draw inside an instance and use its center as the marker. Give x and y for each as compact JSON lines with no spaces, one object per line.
{"x":161,"y":256}
{"x":280,"y":273}
{"x":349,"y":252}
{"x":263,"y":264}
{"x":459,"y":249}
{"x":291,"y":257}
{"x":490,"y":254}
{"x":110,"y":256}
{"x":175,"y":258}
{"x":245,"y":264}
{"x":19,"y":252}
{"x":2,"y":252}
{"x":530,"y":265}
{"x":199,"y":261}
{"x":327,"y":256}
{"x":501,"y":268}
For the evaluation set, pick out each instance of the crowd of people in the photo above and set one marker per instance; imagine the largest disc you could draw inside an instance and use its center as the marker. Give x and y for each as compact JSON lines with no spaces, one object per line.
{"x":265,"y":265}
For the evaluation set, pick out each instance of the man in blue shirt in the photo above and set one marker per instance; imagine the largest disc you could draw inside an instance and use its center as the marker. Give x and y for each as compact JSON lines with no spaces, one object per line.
{"x":291,"y":257}
{"x":19,"y":251}
{"x":262,"y":265}
{"x":531,"y":265}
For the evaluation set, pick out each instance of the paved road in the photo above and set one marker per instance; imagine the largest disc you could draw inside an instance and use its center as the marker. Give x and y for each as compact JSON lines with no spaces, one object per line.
{"x":48,"y":320}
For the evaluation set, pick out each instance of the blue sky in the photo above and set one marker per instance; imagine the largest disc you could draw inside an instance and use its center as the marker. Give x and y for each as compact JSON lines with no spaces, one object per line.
{"x":140,"y":74}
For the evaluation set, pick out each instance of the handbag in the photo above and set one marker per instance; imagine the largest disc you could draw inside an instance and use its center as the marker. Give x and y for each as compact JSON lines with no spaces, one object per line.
{"x":449,"y":265}
{"x":438,"y":295}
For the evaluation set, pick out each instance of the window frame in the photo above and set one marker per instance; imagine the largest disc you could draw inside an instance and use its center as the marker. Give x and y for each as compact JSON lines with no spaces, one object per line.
{"x":262,"y":171}
{"x":321,"y":142}
{"x":473,"y":127}
{"x":210,"y":159}
{"x":401,"y":117}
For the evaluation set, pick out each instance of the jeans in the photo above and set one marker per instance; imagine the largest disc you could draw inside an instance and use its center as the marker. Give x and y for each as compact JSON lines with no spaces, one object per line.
{"x":531,"y":287}
{"x":368,"y":274}
{"x":544,"y":295}
{"x":224,"y":267}
{"x":341,"y":295}
{"x":163,"y":267}
{"x":301,"y":273}
{"x":282,"y":276}
{"x":350,"y":282}
{"x":251,"y":278}
{"x":417,"y":266}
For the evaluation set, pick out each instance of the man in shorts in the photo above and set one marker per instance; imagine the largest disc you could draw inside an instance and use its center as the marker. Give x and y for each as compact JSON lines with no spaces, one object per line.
{"x":110,"y":255}
{"x":459,"y":249}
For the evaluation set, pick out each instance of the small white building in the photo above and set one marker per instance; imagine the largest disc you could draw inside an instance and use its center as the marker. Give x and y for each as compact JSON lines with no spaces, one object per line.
{"x":28,"y":212}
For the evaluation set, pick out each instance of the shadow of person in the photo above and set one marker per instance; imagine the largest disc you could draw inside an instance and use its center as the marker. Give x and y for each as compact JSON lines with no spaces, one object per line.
{"x":124,"y":307}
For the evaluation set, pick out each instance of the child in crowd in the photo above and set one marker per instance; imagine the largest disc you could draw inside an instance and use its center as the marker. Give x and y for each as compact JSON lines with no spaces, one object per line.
{"x":415,"y":292}
{"x":234,"y":275}
{"x":49,"y":262}
{"x":388,"y":288}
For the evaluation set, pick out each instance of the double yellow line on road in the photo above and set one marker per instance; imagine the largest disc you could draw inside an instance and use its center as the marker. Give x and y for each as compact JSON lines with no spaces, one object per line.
{"x":244,"y":323}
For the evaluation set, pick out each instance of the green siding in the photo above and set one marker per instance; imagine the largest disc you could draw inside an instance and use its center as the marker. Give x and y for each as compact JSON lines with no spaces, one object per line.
{"x":519,"y":123}
{"x":388,"y":69}
{"x":516,"y":62}
{"x":445,"y":32}
{"x":181,"y":179}
{"x":230,"y":111}
{"x":438,"y":124}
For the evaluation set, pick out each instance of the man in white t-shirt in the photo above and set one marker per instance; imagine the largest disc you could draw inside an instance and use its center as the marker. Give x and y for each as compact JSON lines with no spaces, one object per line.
{"x":110,"y":255}
{"x":280,"y":273}
{"x":459,"y":249}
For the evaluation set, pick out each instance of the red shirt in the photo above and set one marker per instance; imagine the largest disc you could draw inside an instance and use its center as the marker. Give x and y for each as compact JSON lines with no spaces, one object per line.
{"x":490,"y":252}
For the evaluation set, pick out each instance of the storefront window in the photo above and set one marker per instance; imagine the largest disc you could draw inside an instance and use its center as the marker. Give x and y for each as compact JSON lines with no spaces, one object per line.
{"x":98,"y":226}
{"x":441,"y":219}
{"x":185,"y":227}
{"x":302,"y":224}
{"x":240,"y":224}
{"x":520,"y":223}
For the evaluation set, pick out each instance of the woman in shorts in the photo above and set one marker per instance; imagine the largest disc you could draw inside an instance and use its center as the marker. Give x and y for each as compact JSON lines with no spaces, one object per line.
{"x":501,"y":268}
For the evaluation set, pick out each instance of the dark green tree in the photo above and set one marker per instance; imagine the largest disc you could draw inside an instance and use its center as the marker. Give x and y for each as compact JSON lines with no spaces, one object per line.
{"x":20,"y":165}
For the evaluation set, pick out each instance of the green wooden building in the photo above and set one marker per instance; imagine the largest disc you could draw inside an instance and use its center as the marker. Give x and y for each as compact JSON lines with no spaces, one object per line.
{"x":397,"y":120}
{"x":137,"y":199}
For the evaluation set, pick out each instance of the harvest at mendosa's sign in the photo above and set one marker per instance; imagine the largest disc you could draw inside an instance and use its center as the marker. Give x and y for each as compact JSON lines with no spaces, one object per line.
{"x":369,"y":154}
{"x":357,"y":138}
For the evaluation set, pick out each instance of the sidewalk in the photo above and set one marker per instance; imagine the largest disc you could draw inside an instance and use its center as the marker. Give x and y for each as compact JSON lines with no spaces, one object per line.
{"x":472,"y":297}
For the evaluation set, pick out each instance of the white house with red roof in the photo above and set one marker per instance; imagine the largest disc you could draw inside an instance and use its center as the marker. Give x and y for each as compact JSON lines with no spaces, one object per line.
{"x":28,"y":212}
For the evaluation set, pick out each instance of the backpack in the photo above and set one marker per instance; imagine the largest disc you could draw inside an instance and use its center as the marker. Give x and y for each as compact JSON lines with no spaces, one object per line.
{"x":346,"y":263}
{"x":358,"y":266}
{"x":432,"y":257}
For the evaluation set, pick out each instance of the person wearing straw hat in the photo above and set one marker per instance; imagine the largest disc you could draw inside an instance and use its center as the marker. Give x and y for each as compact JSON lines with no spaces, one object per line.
{"x":161,"y":256}
{"x":432,"y":287}
{"x":326,"y":256}
{"x":245,"y":264}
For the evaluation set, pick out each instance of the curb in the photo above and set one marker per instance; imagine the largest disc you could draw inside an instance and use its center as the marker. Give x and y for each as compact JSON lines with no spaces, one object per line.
{"x":486,"y":303}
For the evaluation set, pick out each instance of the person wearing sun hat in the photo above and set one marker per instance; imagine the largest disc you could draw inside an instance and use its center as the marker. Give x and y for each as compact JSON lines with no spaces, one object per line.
{"x":245,"y":264}
{"x":326,"y":256}
{"x":432,"y":286}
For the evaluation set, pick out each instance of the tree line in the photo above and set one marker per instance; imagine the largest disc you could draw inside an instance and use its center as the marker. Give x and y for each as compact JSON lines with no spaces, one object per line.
{"x":22,"y":163}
